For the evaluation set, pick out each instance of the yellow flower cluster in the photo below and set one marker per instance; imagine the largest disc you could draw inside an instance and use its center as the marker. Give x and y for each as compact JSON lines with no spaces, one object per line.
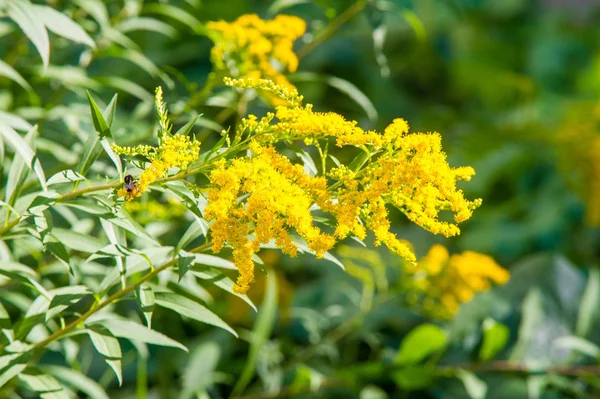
{"x":405,"y":170}
{"x":251,"y":47}
{"x":174,"y":151}
{"x":278,"y":197}
{"x":439,"y":283}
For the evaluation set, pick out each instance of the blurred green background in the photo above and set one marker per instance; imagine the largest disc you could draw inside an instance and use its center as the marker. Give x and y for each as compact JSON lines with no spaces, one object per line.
{"x":512,"y":87}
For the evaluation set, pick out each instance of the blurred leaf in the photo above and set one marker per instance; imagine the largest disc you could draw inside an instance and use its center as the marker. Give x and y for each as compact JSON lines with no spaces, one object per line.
{"x":127,"y":86}
{"x":4,"y":318}
{"x":414,"y":377}
{"x":25,"y":15}
{"x":14,"y":121}
{"x":187,"y":128}
{"x":223,"y":282}
{"x":279,"y":5}
{"x":77,"y":380}
{"x":24,"y":150}
{"x":199,"y":369}
{"x":495,"y":337}
{"x":476,"y":388}
{"x":261,"y":332}
{"x":62,"y":25}
{"x":108,"y":346}
{"x":188,"y":308}
{"x":416,"y":24}
{"x":580,"y":345}
{"x":58,"y":250}
{"x":421,"y":342}
{"x":95,"y":8}
{"x":146,"y":301}
{"x":9,"y":72}
{"x":43,"y":384}
{"x":353,"y":92}
{"x":137,"y":332}
{"x":175,"y":13}
{"x":64,"y":176}
{"x":147,"y":24}
{"x":588,"y":309}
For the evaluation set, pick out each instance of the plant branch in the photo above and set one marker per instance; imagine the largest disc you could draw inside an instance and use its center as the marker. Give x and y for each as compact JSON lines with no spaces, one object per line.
{"x":333,"y":26}
{"x":112,"y":298}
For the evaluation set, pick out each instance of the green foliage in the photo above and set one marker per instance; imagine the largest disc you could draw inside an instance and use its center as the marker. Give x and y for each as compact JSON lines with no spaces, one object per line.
{"x":95,"y":302}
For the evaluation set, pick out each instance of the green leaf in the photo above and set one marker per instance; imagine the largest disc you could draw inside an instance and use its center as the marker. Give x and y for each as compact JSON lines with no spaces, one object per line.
{"x":76,"y":380}
{"x":64,"y":176}
{"x":59,"y":251}
{"x":192,"y":233}
{"x":95,"y":8}
{"x":260,"y":333}
{"x":24,"y":150}
{"x":109,"y":111}
{"x":588,"y":309}
{"x":215,"y":261}
{"x":183,"y":264}
{"x":62,"y":25}
{"x":24,"y":14}
{"x":476,"y":388}
{"x":344,"y":86}
{"x":108,"y":346}
{"x":78,"y":242}
{"x":137,"y":332}
{"x":64,"y":297}
{"x":175,"y":13}
{"x":4,"y":318}
{"x":93,"y":149}
{"x":8,"y":71}
{"x":495,"y":337}
{"x":43,"y":384}
{"x":99,"y":122}
{"x":127,"y":86}
{"x":223,"y":282}
{"x":113,"y":157}
{"x":415,"y":376}
{"x":421,"y":342}
{"x":14,"y":121}
{"x":200,"y":368}
{"x":146,"y":300}
{"x":578,"y":344}
{"x":187,"y":128}
{"x":188,"y":308}
{"x":147,"y":24}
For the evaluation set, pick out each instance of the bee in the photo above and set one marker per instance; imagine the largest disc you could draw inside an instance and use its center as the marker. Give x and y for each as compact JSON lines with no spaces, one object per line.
{"x":130,"y":183}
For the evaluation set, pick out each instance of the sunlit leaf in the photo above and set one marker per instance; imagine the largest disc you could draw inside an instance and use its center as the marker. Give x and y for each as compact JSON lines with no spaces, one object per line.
{"x":76,"y":380}
{"x":188,"y":308}
{"x":108,"y":346}
{"x":43,"y":384}
{"x":25,"y":15}
{"x":62,"y":25}
{"x":421,"y":342}
{"x":137,"y":332}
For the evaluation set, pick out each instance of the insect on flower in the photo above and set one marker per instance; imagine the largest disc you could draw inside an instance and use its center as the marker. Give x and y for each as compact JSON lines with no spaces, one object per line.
{"x":130,"y":183}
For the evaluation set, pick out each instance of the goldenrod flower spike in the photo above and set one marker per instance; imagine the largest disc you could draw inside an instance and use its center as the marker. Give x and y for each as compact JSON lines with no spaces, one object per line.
{"x":251,"y":47}
{"x":441,"y":282}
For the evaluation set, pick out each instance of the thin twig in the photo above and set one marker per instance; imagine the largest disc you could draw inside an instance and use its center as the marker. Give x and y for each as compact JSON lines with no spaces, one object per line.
{"x":335,"y":24}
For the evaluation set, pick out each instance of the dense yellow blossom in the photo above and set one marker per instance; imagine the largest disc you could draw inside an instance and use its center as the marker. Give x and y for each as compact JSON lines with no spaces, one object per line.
{"x":279,"y":197}
{"x":398,"y":169}
{"x":439,"y":283}
{"x":251,"y":47}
